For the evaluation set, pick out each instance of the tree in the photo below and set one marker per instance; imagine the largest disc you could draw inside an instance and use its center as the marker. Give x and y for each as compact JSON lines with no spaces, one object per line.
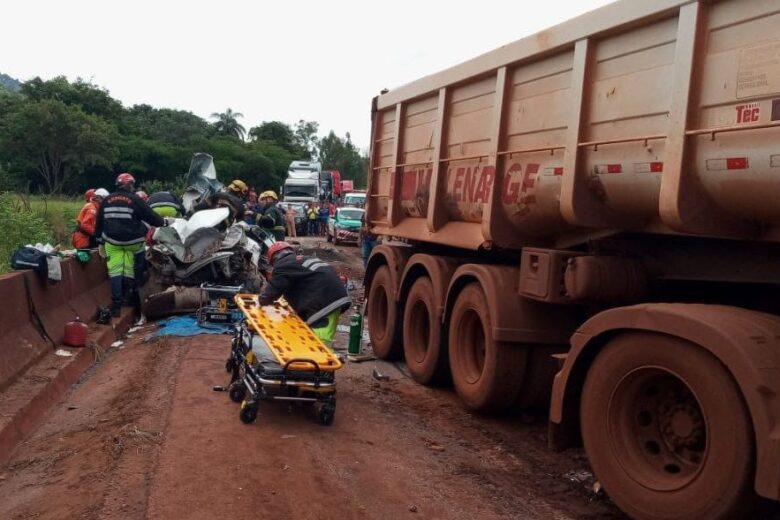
{"x":306,"y":137}
{"x":90,"y":98}
{"x":56,"y":141}
{"x":278,"y":133}
{"x":340,"y":154}
{"x":227,"y":124}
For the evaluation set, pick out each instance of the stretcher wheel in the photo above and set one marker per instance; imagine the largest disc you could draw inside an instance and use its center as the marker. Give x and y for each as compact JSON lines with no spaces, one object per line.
{"x":326,"y":415}
{"x":237,"y":393}
{"x":248,"y":412}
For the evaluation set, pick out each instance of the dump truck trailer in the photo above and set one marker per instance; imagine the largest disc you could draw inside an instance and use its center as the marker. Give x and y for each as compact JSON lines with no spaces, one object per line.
{"x":586,"y":220}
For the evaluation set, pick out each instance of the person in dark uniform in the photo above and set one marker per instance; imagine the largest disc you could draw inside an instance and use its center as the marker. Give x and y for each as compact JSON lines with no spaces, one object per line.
{"x":310,"y":285}
{"x":121,"y":228}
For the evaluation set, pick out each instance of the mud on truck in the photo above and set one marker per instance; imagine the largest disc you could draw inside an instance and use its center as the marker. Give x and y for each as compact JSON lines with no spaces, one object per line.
{"x":586,"y":220}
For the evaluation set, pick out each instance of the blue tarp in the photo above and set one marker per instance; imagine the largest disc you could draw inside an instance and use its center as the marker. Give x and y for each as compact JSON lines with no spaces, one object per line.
{"x":188,"y":326}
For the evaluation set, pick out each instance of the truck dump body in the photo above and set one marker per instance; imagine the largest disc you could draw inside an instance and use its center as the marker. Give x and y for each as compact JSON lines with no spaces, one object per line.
{"x":606,"y":192}
{"x":659,"y":117}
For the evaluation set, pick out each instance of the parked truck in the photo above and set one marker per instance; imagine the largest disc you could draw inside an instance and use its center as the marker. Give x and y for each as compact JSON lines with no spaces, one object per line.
{"x":303,"y":183}
{"x":587,"y":220}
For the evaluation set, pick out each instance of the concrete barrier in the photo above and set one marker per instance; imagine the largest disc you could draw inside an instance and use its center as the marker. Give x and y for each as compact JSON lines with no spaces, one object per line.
{"x":22,"y":339}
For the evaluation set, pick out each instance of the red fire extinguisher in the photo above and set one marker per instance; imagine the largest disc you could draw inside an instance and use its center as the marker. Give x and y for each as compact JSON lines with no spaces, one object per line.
{"x":75,"y":333}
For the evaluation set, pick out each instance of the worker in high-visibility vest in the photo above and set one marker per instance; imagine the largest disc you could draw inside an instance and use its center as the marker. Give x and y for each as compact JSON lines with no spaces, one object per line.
{"x":121,"y":228}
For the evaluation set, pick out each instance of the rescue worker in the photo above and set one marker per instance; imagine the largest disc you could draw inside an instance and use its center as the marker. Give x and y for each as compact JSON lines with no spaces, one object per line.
{"x":239,"y":189}
{"x":166,"y":204}
{"x":122,"y":227}
{"x":310,"y":285}
{"x":269,"y":216}
{"x":84,"y":236}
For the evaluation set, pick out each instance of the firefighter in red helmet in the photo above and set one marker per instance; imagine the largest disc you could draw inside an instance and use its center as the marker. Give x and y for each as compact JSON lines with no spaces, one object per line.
{"x":310,"y":285}
{"x":122,"y":227}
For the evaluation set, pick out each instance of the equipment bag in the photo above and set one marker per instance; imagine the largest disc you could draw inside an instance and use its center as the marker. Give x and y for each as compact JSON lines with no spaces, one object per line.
{"x":26,"y":258}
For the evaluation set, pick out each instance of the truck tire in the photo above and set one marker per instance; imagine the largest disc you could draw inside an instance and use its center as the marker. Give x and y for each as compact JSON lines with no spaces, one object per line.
{"x":382,"y":316}
{"x":487,"y":374}
{"x":666,"y":430}
{"x":425,"y":356}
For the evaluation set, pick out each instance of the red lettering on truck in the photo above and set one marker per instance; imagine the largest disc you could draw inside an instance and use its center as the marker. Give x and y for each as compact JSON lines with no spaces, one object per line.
{"x":414,"y":182}
{"x":749,"y":113}
{"x":517,"y":190}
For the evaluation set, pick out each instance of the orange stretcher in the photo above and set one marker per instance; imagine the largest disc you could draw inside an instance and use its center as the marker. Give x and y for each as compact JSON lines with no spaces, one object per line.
{"x":286,"y":334}
{"x":275,"y":356}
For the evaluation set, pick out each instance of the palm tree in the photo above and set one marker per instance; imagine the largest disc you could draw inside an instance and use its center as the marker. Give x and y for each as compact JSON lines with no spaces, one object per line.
{"x":227,"y":123}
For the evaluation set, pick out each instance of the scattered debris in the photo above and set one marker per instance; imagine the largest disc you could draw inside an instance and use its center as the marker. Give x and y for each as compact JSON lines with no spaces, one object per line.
{"x":63,"y":353}
{"x":380,"y":377}
{"x":413,"y":508}
{"x":287,"y":436}
{"x":117,"y":344}
{"x":71,"y":407}
{"x":219,"y":388}
{"x":285,"y":468}
{"x":360,"y":358}
{"x":578,"y":476}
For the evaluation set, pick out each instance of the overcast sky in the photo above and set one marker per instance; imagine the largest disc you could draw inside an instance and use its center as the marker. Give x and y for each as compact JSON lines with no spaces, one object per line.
{"x":270,"y":60}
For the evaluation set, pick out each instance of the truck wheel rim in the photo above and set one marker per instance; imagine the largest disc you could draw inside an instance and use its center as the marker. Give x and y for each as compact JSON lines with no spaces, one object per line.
{"x":657,"y":429}
{"x":419,"y":331}
{"x":472,"y":341}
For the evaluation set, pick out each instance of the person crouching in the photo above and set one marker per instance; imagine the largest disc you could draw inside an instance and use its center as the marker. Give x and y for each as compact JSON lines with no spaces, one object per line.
{"x":310,"y":285}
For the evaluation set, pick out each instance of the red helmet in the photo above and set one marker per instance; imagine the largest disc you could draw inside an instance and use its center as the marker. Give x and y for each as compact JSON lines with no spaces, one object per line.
{"x":142,"y":195}
{"x":89,"y":194}
{"x":125,"y":179}
{"x":275,"y":248}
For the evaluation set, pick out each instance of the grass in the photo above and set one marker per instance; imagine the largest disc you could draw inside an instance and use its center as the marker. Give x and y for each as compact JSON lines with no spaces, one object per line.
{"x":30,"y":219}
{"x":60,"y":214}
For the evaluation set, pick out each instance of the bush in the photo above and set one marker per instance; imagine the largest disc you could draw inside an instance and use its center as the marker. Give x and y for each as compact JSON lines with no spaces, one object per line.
{"x":21,"y":226}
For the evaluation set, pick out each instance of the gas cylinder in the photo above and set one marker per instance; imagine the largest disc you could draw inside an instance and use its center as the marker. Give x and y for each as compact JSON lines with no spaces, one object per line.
{"x":355,"y":333}
{"x":75,"y":333}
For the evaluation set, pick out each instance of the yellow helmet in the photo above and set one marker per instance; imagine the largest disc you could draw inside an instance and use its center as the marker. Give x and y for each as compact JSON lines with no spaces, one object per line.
{"x":269,"y":193}
{"x":238,"y":186}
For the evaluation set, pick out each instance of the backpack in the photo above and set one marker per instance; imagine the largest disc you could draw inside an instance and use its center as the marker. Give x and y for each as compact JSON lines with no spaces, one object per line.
{"x":26,"y":258}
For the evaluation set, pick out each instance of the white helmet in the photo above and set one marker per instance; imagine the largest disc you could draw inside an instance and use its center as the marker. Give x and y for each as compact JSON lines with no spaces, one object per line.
{"x":101,"y":192}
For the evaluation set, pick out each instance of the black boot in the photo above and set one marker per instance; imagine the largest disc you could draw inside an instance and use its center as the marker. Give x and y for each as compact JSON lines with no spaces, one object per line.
{"x":116,"y":295}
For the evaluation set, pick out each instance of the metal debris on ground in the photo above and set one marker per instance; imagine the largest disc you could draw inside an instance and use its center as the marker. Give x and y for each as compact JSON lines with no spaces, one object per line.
{"x":378,"y":376}
{"x":578,"y":476}
{"x":413,"y":508}
{"x":117,"y":344}
{"x":63,"y":353}
{"x":361,"y":358}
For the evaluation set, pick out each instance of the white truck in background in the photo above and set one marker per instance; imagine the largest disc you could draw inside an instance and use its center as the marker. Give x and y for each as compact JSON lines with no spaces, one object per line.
{"x":303,"y":182}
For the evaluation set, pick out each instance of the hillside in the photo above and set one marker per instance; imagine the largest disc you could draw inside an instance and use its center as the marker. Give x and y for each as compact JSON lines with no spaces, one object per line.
{"x":9,"y":82}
